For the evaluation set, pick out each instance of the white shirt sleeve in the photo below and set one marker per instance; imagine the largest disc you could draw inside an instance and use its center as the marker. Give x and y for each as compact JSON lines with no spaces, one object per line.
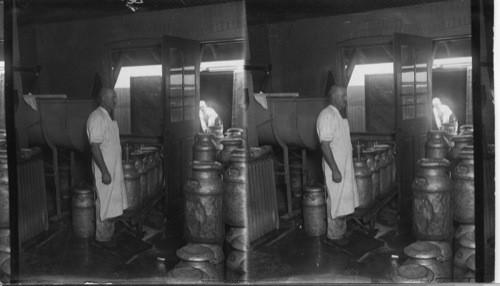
{"x":96,"y":128}
{"x":446,"y":114}
{"x":325,"y":127}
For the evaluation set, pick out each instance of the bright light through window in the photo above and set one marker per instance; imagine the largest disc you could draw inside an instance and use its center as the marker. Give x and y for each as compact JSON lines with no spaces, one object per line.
{"x":358,"y":75}
{"x":452,"y":63}
{"x":126,"y":73}
{"x":222,"y":66}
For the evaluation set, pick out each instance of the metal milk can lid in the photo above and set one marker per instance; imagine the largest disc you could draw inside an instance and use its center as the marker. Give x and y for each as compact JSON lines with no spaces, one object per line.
{"x":423,"y":250}
{"x":468,"y":240}
{"x":445,"y":246}
{"x":471,"y":262}
{"x":414,"y":273}
{"x":201,"y":252}
{"x":237,"y":237}
{"x":187,"y":272}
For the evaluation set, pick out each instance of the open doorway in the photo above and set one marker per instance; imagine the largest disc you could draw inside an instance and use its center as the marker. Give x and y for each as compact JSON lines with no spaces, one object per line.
{"x":219,"y":61}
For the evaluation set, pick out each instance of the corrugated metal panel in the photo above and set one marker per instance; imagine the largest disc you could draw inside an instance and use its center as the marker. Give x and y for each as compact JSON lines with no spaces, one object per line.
{"x":263,"y":206}
{"x":33,"y":215}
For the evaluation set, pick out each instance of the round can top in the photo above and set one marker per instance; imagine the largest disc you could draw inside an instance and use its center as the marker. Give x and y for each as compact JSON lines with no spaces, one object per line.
{"x":201,"y":252}
{"x":187,"y":272}
{"x":199,"y":165}
{"x":471,"y":262}
{"x":314,"y":188}
{"x":231,"y":141}
{"x":370,"y":151}
{"x":445,"y":247}
{"x":415,"y":273}
{"x":463,"y":138}
{"x":360,"y":160}
{"x":83,"y":191}
{"x":423,"y":250}
{"x":382,"y":147}
{"x":468,"y":240}
{"x":433,"y":162}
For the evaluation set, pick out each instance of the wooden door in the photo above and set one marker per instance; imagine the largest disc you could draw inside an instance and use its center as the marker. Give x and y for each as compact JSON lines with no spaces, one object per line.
{"x":145,"y":105}
{"x":181,"y":87}
{"x":413,"y":86}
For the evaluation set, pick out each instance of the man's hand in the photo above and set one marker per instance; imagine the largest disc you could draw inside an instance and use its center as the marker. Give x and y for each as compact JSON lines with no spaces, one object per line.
{"x":336,"y":176}
{"x":106,"y":178}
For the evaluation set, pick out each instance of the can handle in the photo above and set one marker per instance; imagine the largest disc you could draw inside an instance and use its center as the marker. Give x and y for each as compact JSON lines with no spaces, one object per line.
{"x":192,"y":183}
{"x":421,"y":180}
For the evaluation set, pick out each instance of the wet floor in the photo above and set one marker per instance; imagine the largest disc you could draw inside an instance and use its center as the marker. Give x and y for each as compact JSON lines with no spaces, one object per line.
{"x":293,"y":258}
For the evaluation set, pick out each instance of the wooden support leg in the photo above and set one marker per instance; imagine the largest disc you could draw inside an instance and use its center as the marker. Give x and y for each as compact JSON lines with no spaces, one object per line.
{"x":287,"y":180}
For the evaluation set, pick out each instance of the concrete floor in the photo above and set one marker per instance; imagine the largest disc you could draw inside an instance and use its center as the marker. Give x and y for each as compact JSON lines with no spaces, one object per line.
{"x":295,"y":258}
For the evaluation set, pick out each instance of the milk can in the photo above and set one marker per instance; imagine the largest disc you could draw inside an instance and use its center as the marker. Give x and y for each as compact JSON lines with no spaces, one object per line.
{"x":463,"y":183}
{"x":208,"y":258}
{"x":446,"y":258}
{"x":413,"y":273}
{"x":466,"y":129}
{"x":234,"y":132}
{"x":83,"y":212}
{"x":432,"y":213}
{"x":229,"y":145}
{"x":426,"y":254}
{"x":461,"y":230}
{"x":4,"y":190}
{"x":363,"y":181}
{"x":471,"y":268}
{"x":436,"y":145}
{"x":467,"y":248}
{"x":216,"y":130}
{"x":188,"y":273}
{"x":374,"y":165}
{"x":204,"y":148}
{"x":459,"y":142}
{"x":389,"y":157}
{"x":314,"y":210}
{"x":132,"y":184}
{"x":236,"y":266}
{"x":449,"y":128}
{"x":152,"y":179}
{"x":203,"y":212}
{"x":236,"y":189}
{"x":141,"y":167}
{"x":385,"y":172}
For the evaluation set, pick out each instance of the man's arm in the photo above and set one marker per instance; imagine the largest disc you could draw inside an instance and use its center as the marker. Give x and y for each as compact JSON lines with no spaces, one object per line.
{"x":328,"y":155}
{"x":99,"y":160}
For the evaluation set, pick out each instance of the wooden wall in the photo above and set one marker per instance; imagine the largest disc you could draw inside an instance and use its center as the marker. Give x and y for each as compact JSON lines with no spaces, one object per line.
{"x":70,"y":53}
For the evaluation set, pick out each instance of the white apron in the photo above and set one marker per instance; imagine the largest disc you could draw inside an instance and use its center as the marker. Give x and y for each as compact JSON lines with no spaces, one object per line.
{"x":112,"y":197}
{"x":343,"y":196}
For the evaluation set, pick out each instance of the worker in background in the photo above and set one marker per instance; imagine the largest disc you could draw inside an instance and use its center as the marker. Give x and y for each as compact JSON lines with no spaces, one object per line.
{"x":106,"y":150}
{"x":335,"y":139}
{"x":443,"y":114}
{"x":209,"y":118}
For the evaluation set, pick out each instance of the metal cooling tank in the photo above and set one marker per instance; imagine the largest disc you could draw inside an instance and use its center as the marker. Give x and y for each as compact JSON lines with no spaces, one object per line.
{"x":58,"y":121}
{"x":291,"y":120}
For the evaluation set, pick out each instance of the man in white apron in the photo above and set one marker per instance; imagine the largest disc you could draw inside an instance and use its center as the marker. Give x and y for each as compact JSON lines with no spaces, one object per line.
{"x":334,"y":136}
{"x":106,"y":150}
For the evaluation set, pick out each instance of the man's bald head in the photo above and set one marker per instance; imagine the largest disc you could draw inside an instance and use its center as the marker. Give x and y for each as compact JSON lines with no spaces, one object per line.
{"x":107,"y":98}
{"x":337,"y":96}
